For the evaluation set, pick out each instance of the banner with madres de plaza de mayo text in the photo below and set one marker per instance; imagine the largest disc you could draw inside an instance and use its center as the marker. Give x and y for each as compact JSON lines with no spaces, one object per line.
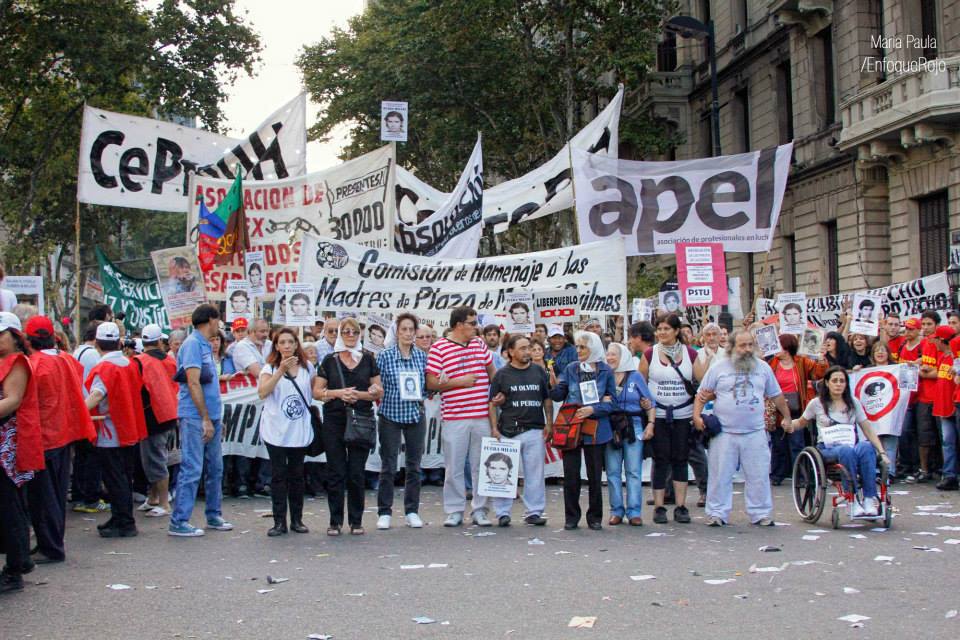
{"x":352,"y":201}
{"x":351,"y":277}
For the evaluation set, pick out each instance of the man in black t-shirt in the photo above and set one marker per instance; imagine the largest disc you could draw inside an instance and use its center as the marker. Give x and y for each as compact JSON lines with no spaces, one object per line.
{"x":521,"y":392}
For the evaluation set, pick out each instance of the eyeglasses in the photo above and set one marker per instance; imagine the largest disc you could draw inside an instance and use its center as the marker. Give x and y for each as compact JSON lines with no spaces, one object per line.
{"x":349,"y":332}
{"x":582,"y":346}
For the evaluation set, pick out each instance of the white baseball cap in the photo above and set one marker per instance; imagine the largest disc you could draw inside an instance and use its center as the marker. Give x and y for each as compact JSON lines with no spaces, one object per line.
{"x":554,"y":330}
{"x":152,"y":333}
{"x":9,"y":321}
{"x":108,"y":331}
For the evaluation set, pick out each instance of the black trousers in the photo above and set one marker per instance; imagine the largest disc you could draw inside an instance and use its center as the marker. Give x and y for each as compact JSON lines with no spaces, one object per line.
{"x":413,"y":442}
{"x":14,"y":525}
{"x":47,"y":498}
{"x":86,"y":473}
{"x":592,"y":455}
{"x":671,"y":450}
{"x":345,"y":473}
{"x":287,"y":483}
{"x":116,"y":467}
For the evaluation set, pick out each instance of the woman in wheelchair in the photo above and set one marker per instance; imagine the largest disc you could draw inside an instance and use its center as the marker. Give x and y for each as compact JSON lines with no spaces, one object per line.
{"x":845,"y":436}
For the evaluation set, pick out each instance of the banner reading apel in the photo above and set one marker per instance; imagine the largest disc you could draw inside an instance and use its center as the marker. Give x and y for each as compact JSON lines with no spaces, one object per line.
{"x":138,"y":298}
{"x":454,"y":229}
{"x":734,"y":200}
{"x":352,"y":201}
{"x":350,"y":277}
{"x":543,"y":191}
{"x":130,"y":161}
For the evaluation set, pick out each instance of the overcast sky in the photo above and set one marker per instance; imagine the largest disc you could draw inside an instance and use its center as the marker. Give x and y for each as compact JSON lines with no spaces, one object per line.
{"x":285,"y":26}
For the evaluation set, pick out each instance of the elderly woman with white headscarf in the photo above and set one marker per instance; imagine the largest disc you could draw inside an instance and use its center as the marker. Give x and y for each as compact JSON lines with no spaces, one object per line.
{"x":588,"y":383}
{"x":348,"y":377}
{"x":631,"y":425}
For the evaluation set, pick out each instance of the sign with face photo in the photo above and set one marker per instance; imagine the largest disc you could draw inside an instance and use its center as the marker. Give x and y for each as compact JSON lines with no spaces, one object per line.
{"x":299,"y":309}
{"x":253,"y":266}
{"x":410,"y":386}
{"x":280,"y":305}
{"x":670,"y":301}
{"x":519,"y":312}
{"x":866,"y":314}
{"x":238,"y":301}
{"x":793,"y":312}
{"x":499,"y":468}
{"x":377,"y":327}
{"x":588,"y":392}
{"x":811,"y":342}
{"x":767,"y":341}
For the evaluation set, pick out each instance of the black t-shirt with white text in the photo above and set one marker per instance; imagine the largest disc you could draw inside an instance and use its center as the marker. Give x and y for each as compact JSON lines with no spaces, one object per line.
{"x":525,"y":390}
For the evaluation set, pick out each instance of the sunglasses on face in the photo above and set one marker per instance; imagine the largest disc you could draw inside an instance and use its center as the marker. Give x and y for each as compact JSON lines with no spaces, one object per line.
{"x":349,"y":332}
{"x":472,"y":323}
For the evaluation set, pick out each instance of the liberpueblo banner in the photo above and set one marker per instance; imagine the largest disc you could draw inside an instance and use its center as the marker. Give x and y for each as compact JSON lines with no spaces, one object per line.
{"x":138,"y":298}
{"x":352,"y":201}
{"x":454,"y":229}
{"x":350,"y":277}
{"x":878,"y":390}
{"x":129,"y":161}
{"x":733,"y":200}
{"x":542,"y":192}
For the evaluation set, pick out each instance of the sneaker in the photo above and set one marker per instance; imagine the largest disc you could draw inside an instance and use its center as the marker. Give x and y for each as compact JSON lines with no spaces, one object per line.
{"x":157,"y":512}
{"x":948,"y":484}
{"x":263,"y":492}
{"x":414,"y":521}
{"x":10,"y":582}
{"x":383,"y":522}
{"x":146,"y":506}
{"x":91,"y":507}
{"x":871,"y":507}
{"x":660,"y":515}
{"x":503,"y":521}
{"x":536,"y":520}
{"x":857,"y":509}
{"x":910,"y":478}
{"x":454,"y":520}
{"x":715,"y":522}
{"x":219,"y":524}
{"x":481,"y":520}
{"x":764,"y":522}
{"x":924,"y":477}
{"x":184,"y":530}
{"x":117,"y":532}
{"x":101,"y":506}
{"x":681,"y":515}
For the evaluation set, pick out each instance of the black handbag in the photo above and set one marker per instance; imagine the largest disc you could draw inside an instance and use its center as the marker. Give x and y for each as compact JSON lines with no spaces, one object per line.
{"x":315,"y":448}
{"x":361,"y":429}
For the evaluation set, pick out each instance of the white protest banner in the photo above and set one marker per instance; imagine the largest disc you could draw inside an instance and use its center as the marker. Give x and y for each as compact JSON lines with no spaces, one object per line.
{"x":130,"y":161}
{"x":733,"y":200}
{"x":253,"y":265}
{"x":884,"y":402}
{"x":556,"y":306}
{"x":352,"y":277}
{"x":238,"y":301}
{"x":393,"y":121}
{"x":793,"y":312}
{"x":910,"y":299}
{"x":454,"y":229}
{"x":30,"y":286}
{"x":180,"y":284}
{"x":519,"y":306}
{"x":866,"y":314}
{"x":541,"y":192}
{"x":299,"y":311}
{"x":499,"y":468}
{"x":352,"y":201}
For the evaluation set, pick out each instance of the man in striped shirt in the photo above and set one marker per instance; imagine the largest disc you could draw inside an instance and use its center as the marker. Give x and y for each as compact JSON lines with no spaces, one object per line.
{"x":460,"y":368}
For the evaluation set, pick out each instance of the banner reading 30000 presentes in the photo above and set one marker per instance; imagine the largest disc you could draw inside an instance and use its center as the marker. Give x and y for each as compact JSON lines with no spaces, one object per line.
{"x":733,"y":200}
{"x":348,"y":276}
{"x":352,"y":201}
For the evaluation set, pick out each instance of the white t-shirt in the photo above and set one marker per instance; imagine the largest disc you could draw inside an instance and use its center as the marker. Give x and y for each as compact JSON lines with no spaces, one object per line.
{"x":285,"y":421}
{"x":8,"y":300}
{"x":814,"y":411}
{"x":88,"y":356}
{"x":246,"y":353}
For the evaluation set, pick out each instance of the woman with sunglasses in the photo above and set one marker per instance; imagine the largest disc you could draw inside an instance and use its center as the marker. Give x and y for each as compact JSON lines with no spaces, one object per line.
{"x":348,"y":377}
{"x":21,"y":450}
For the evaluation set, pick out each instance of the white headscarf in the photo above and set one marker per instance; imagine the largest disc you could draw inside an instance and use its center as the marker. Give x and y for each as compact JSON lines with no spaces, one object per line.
{"x":627,"y":361}
{"x":356,"y":352}
{"x":596,"y":348}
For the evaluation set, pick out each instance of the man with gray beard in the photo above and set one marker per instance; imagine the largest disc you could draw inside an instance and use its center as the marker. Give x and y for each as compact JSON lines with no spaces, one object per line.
{"x":739,"y":384}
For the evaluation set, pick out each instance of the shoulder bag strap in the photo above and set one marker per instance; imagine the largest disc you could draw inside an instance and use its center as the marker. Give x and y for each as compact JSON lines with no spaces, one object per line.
{"x":297,"y":387}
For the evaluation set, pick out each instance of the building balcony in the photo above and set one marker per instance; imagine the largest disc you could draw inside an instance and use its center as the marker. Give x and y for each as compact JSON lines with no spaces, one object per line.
{"x":665,"y":93}
{"x":920,"y":105}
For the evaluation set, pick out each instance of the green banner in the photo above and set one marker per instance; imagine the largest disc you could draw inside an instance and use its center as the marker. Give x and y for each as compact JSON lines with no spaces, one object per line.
{"x":138,"y":298}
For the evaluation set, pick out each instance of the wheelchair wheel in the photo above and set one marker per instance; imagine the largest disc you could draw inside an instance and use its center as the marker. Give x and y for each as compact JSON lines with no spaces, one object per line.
{"x":887,"y":515}
{"x":809,"y":484}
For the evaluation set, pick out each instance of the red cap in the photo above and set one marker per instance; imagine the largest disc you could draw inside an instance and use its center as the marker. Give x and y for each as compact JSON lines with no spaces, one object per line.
{"x":944,"y":332}
{"x":912,"y":323}
{"x":39,"y":327}
{"x":239,"y":323}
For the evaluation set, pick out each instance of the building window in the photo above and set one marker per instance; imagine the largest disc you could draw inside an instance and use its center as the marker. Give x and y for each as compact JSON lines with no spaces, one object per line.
{"x":934,"y":233}
{"x":832,"y":248}
{"x":705,"y":18}
{"x":667,"y":53}
{"x":785,"y":96}
{"x":790,"y":263}
{"x":741,"y":101}
{"x":928,"y":28}
{"x":822,"y":54}
{"x":739,"y":16}
{"x":875,"y":31}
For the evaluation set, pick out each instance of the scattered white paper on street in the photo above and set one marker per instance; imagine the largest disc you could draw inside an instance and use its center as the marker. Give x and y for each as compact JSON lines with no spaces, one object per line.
{"x":265,"y":590}
{"x":642,"y":578}
{"x":582,"y":622}
{"x":411,"y":566}
{"x":884,"y":558}
{"x":423,"y":620}
{"x":849,"y":590}
{"x":810,"y":538}
{"x":119,"y":587}
{"x":951,"y":541}
{"x":853,"y":617}
{"x":535,"y":541}
{"x":858,"y":536}
{"x":720,"y":581}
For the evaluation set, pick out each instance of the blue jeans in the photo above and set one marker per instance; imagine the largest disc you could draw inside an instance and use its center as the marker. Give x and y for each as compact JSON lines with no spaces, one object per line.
{"x":860,"y":461}
{"x":948,"y":429}
{"x":631,"y":457}
{"x":194,"y":453}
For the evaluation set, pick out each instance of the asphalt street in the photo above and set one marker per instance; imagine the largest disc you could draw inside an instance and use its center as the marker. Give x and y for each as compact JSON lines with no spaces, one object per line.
{"x":516,"y":582}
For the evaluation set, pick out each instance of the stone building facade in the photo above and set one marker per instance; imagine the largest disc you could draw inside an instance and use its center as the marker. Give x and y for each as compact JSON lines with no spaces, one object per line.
{"x":869,"y":90}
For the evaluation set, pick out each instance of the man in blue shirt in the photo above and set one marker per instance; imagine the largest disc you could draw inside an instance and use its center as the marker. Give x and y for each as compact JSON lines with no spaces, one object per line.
{"x":200,"y":411}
